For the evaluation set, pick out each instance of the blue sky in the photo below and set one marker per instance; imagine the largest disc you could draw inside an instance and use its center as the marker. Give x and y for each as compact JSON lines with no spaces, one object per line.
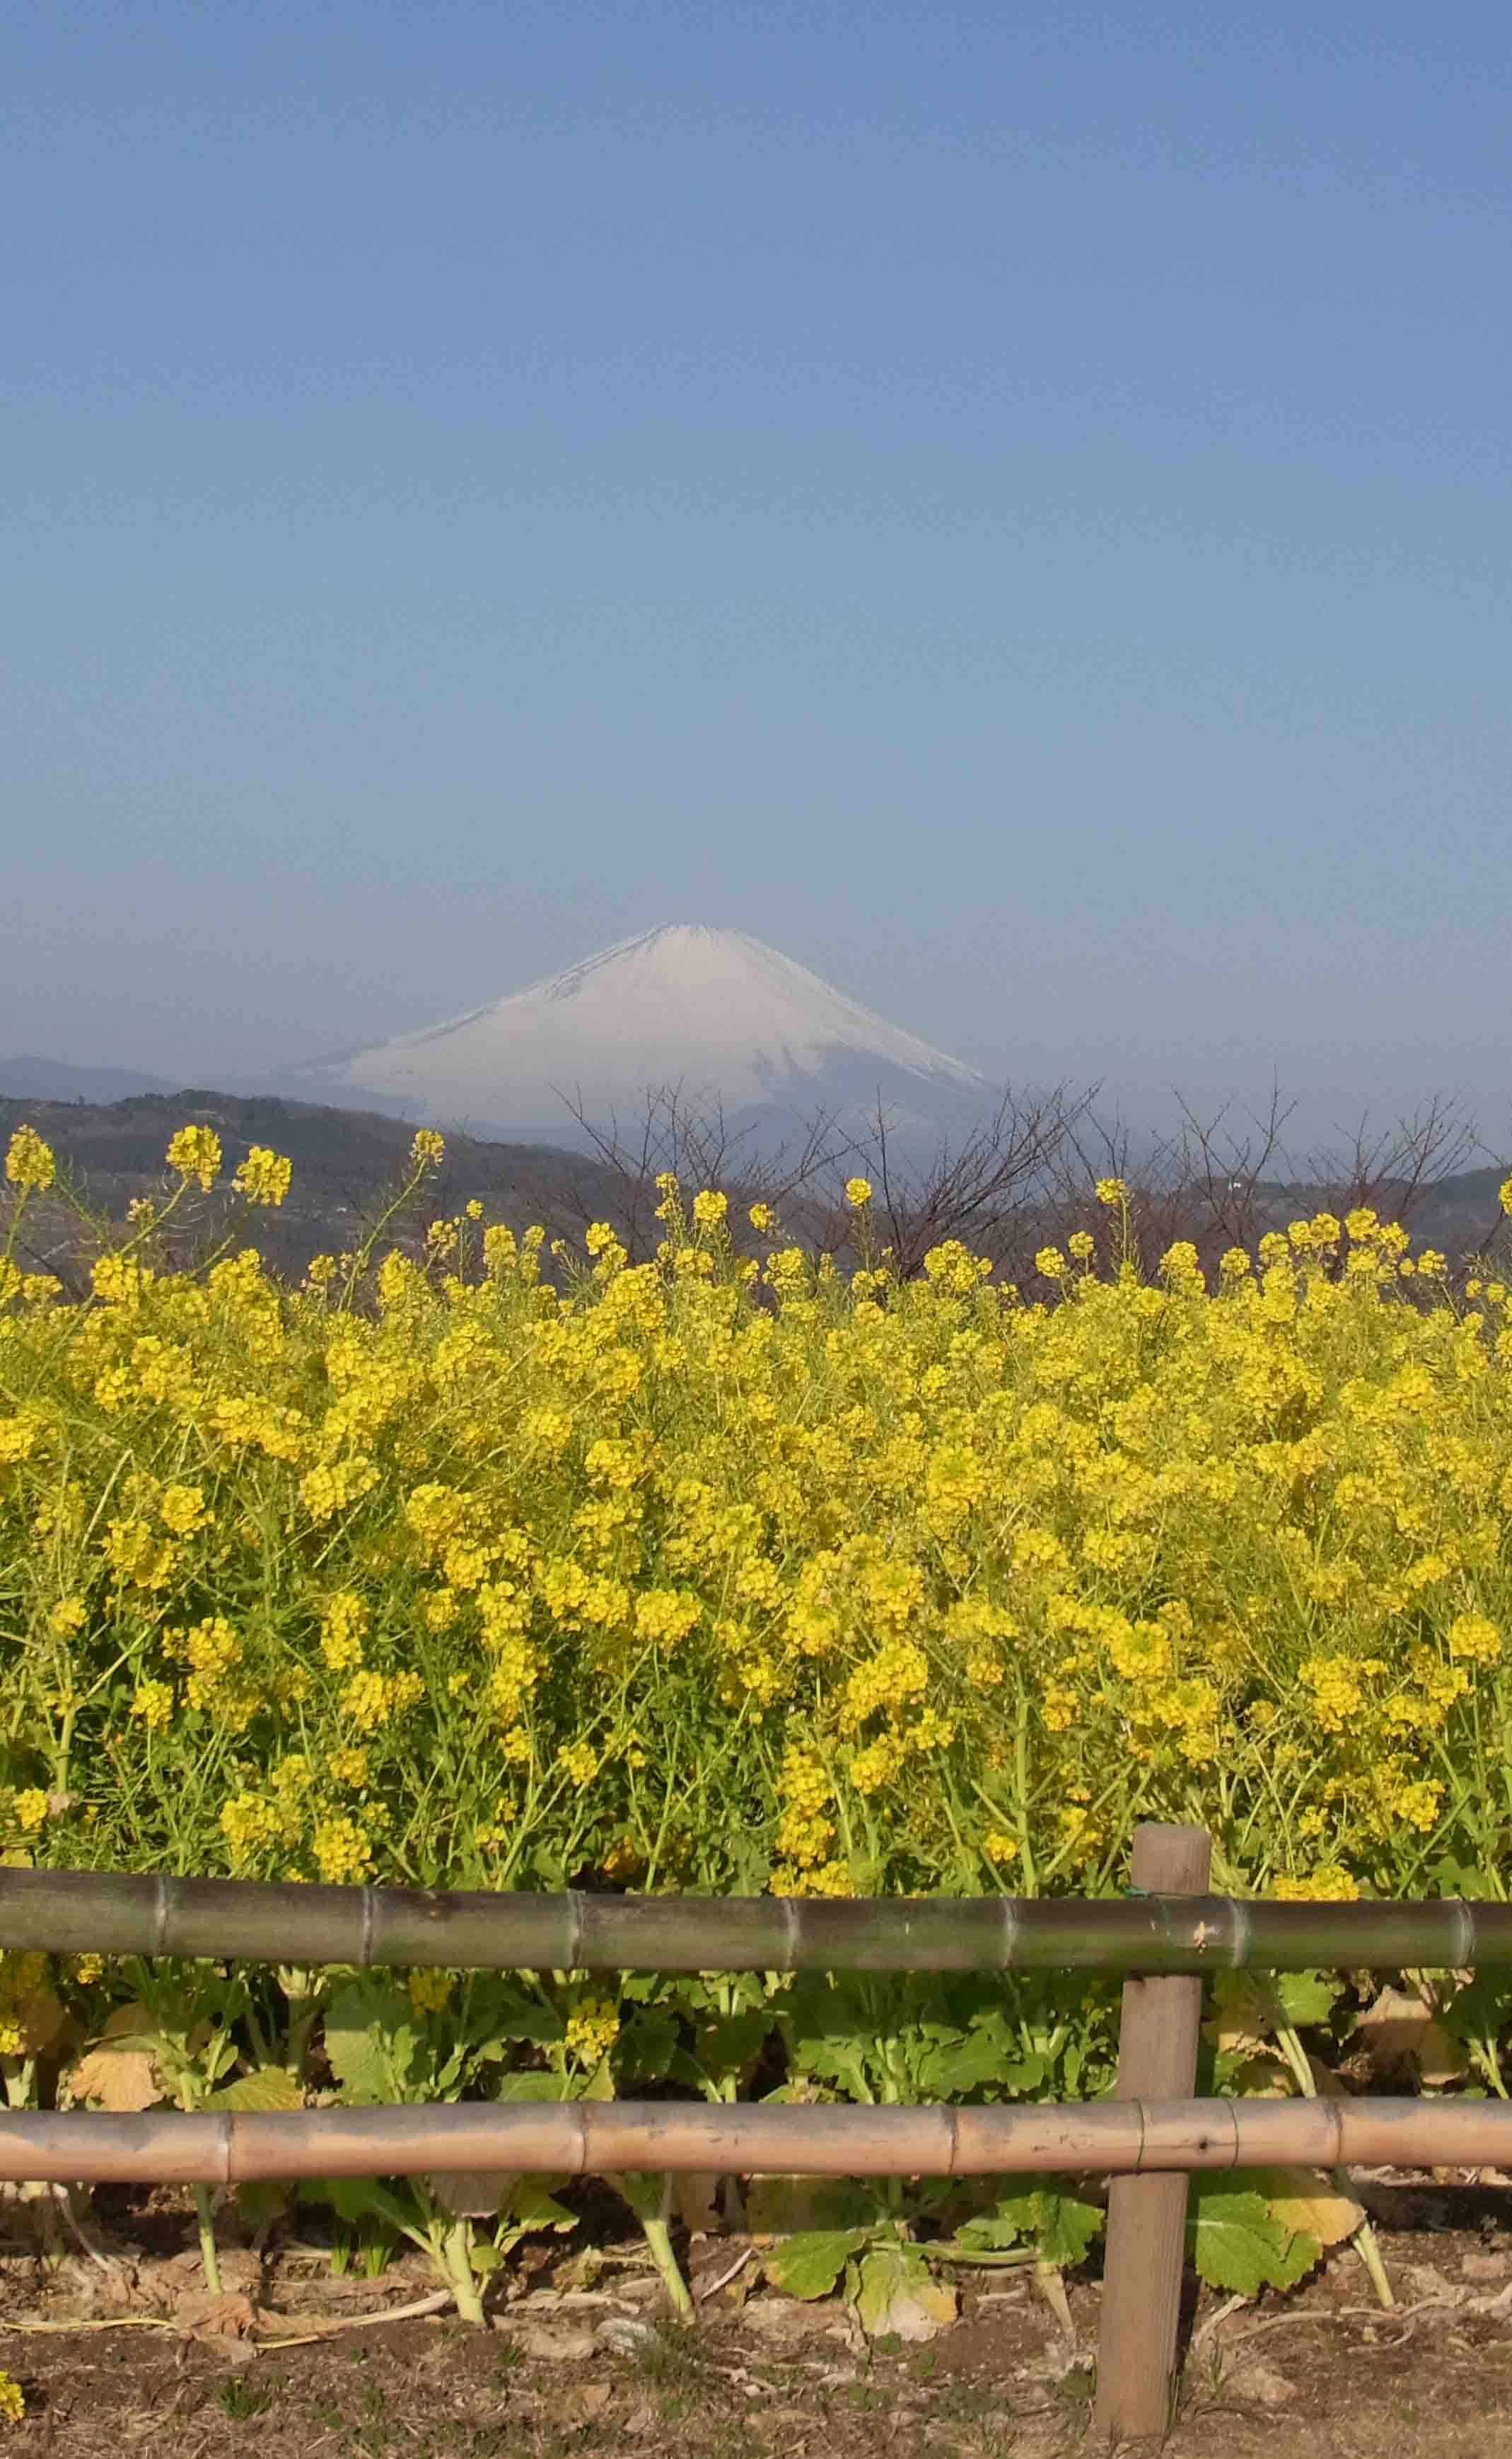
{"x":1010,"y":504}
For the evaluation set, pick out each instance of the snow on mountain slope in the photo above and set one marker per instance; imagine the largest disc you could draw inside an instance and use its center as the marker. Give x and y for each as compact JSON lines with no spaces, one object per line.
{"x":714,"y":1013}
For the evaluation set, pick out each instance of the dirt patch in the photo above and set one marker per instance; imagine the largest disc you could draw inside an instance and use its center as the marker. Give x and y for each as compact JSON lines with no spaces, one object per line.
{"x":135,"y":2355}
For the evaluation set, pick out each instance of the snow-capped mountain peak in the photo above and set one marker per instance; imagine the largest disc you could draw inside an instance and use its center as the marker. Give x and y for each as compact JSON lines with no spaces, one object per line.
{"x":713,"y":1013}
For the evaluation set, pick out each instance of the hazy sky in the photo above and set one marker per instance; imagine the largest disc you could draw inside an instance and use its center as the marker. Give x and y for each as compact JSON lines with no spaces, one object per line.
{"x":1012,"y":504}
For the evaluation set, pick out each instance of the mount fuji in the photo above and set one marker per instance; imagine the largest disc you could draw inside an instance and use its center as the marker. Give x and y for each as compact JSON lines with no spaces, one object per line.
{"x":714,"y":1015}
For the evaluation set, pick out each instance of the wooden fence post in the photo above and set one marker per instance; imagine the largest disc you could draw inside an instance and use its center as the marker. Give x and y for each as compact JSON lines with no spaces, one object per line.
{"x":1146,"y":2230}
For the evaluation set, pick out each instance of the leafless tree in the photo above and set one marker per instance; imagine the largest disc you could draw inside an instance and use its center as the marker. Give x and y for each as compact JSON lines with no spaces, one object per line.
{"x":1210,"y":1179}
{"x":1223,"y":1178}
{"x":988,"y":1190}
{"x":701,"y":1148}
{"x":1395,"y":1169}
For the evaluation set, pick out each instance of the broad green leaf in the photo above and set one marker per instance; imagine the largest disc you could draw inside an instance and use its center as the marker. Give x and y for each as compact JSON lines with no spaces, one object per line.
{"x":808,"y":2266}
{"x":958,"y":2066}
{"x":1240,"y":2074}
{"x":1303,"y":2200}
{"x":445,"y":2078}
{"x":370,"y":2042}
{"x":837,"y":2062}
{"x":1482,"y":2009}
{"x":684,"y":2069}
{"x":1010,"y":2222}
{"x":1244,"y":2013}
{"x":530,"y":2204}
{"x":647,"y":2045}
{"x":534,"y":2087}
{"x":1236,"y":2242}
{"x":1065,"y":2228}
{"x":1307,"y":1997}
{"x":1059,"y":2227}
{"x":1250,"y":2005}
{"x":896,"y":2293}
{"x":539,"y":2023}
{"x":269,"y":2088}
{"x":734,"y":2042}
{"x":1463,"y":1878}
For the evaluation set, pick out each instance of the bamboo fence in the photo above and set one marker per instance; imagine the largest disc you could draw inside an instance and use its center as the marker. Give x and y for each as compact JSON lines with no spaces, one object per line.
{"x":81,"y":1912}
{"x":603,"y":2138}
{"x":1161,"y":1938}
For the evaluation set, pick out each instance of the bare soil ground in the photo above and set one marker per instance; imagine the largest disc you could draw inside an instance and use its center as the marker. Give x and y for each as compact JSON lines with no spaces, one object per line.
{"x":131,"y":2355}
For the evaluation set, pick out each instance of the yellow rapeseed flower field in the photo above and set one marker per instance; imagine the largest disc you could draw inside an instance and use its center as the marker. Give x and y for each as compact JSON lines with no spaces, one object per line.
{"x":700,"y":1573}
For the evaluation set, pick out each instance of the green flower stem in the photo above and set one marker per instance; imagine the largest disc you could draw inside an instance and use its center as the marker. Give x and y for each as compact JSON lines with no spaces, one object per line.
{"x":456,"y":2263}
{"x":659,"y":2243}
{"x":648,"y":2191}
{"x":209,"y":2253}
{"x":1366,"y":2243}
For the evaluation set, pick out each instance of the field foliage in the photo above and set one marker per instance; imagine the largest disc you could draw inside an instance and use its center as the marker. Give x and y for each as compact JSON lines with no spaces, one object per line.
{"x":487,"y":1566}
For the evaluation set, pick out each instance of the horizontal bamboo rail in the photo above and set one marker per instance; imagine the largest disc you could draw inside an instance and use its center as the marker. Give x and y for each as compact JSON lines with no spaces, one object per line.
{"x":86,"y":1912}
{"x":599,"y":2138}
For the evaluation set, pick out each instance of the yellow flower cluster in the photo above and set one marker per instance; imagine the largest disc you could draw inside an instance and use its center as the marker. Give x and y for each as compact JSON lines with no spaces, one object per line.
{"x":28,"y":2008}
{"x":264,"y":1177}
{"x":433,"y":1570}
{"x":592,"y":2029}
{"x":30,"y":1163}
{"x":195,"y":1153}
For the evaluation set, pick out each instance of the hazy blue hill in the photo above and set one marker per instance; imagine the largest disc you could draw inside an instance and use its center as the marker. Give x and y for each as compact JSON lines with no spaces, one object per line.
{"x":53,"y":1079}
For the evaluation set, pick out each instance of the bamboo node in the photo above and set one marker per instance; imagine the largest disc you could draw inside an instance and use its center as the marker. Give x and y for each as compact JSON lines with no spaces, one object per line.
{"x":575,"y":1928}
{"x":1240,"y":1923}
{"x":162,"y":1913}
{"x":369,"y":1916}
{"x":792,"y":1927}
{"x":1010,"y":1922}
{"x":1232,"y":2116}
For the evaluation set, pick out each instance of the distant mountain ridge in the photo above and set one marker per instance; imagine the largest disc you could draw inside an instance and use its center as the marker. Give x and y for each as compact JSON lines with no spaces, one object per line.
{"x":54,"y":1079}
{"x":715,"y":1015}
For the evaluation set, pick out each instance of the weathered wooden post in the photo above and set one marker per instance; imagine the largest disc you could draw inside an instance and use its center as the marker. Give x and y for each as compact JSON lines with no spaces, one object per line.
{"x":1146,"y":2230}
